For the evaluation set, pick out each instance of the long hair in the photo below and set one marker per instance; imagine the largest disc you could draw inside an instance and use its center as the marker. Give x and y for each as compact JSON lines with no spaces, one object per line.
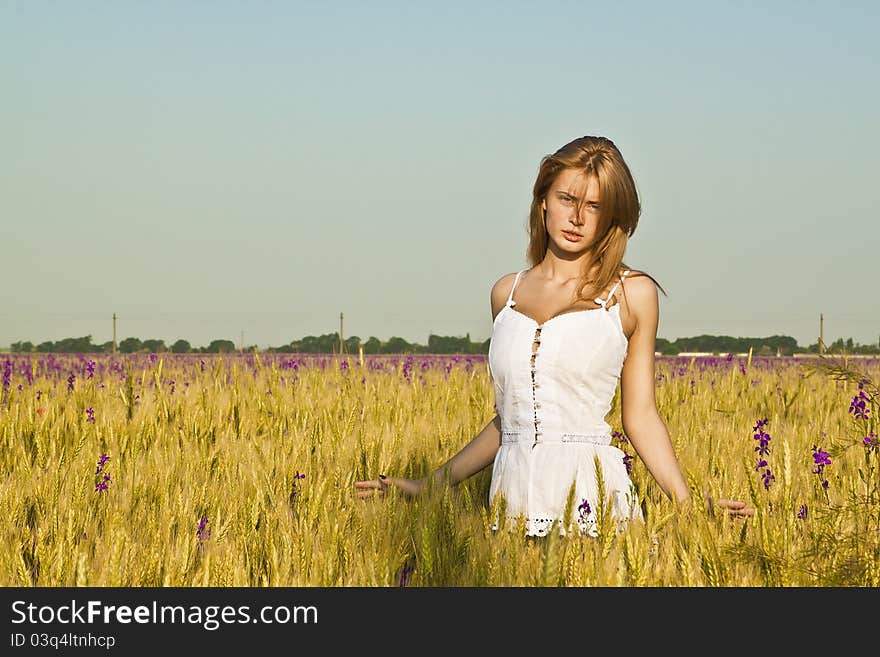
{"x":619,"y":210}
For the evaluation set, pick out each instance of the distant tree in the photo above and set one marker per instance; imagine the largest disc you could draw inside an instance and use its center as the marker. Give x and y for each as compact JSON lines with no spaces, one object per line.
{"x":22,"y":347}
{"x":46,"y":347}
{"x":373,"y":346}
{"x":283,"y":349}
{"x":154,"y":346}
{"x":130,"y":345}
{"x":74,"y":345}
{"x":181,"y":347}
{"x":221,"y":347}
{"x":397,"y":346}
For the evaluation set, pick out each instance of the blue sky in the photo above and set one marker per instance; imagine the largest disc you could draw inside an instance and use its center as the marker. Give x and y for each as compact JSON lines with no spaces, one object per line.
{"x":208,"y":168}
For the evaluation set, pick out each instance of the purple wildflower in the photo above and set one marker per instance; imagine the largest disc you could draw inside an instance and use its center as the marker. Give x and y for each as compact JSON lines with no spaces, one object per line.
{"x":90,"y":412}
{"x":202,"y":532}
{"x":407,"y":366}
{"x":859,"y":405}
{"x":870,"y":441}
{"x":90,"y":369}
{"x":152,"y":358}
{"x":802,"y":512}
{"x":821,"y":459}
{"x":101,"y":461}
{"x":584,"y":509}
{"x":762,"y":437}
{"x":403,"y":577}
{"x":70,"y":381}
{"x":627,"y":462}
{"x":103,"y":484}
{"x":294,"y":488}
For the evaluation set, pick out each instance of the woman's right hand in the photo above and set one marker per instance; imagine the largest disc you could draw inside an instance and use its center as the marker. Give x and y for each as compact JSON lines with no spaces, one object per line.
{"x":372,"y":487}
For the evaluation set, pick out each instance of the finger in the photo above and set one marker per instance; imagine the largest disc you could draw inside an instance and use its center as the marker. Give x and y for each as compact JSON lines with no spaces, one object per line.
{"x":369,"y":493}
{"x":366,"y":484}
{"x":731,"y":504}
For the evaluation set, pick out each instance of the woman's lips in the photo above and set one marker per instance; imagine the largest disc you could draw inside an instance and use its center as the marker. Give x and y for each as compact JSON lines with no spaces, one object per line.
{"x":571,"y":237}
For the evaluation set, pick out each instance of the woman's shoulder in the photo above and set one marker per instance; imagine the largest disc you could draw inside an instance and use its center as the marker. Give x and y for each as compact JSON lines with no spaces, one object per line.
{"x":636,"y":279}
{"x":640,"y":294}
{"x":500,"y":291}
{"x":504,"y":284}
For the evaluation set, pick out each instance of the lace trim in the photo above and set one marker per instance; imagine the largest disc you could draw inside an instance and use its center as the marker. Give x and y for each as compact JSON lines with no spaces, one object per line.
{"x":585,"y":521}
{"x":542,"y":526}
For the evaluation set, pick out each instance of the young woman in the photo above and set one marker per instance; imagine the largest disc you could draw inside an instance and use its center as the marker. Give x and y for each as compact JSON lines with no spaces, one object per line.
{"x":564,"y":331}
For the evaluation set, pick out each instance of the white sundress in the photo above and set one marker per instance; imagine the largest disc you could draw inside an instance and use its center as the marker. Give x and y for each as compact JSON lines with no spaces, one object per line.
{"x":554,"y":383}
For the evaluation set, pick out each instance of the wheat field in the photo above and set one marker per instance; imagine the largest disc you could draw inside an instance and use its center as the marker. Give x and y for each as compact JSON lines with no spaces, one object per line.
{"x":238,"y":470}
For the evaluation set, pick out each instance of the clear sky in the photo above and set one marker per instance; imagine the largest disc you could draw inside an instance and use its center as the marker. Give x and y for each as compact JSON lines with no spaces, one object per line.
{"x":208,"y":168}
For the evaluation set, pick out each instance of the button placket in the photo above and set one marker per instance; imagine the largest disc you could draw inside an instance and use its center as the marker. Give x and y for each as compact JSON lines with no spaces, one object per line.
{"x":536,"y":342}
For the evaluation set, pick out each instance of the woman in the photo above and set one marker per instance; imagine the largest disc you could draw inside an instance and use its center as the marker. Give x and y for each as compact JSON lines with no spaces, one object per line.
{"x":587,"y":320}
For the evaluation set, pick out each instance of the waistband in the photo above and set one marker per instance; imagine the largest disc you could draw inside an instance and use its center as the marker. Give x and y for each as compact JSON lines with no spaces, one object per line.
{"x":545,"y":436}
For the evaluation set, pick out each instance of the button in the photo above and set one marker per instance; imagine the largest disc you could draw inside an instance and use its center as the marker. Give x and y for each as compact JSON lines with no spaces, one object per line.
{"x":537,"y":404}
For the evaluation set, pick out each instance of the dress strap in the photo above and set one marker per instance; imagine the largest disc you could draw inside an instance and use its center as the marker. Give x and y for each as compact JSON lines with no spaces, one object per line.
{"x":602,"y":302}
{"x":510,"y":301}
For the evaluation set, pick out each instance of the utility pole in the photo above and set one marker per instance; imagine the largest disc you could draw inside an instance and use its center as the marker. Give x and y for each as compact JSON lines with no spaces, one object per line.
{"x":341,"y":342}
{"x":114,"y":333}
{"x":821,"y":340}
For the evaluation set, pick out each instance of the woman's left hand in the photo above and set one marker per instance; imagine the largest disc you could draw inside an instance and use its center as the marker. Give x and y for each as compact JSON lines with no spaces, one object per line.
{"x":732,"y":507}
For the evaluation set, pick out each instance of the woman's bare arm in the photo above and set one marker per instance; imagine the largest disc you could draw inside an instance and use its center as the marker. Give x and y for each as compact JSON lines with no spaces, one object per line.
{"x":470,"y":459}
{"x":473,"y":457}
{"x":641,"y":421}
{"x":481,"y":451}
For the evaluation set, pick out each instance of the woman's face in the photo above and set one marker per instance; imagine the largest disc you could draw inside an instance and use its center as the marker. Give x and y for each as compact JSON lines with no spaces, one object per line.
{"x":572,"y":190}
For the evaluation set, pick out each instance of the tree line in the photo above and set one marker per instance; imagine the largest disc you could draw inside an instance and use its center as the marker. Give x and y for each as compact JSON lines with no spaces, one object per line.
{"x":437,"y":344}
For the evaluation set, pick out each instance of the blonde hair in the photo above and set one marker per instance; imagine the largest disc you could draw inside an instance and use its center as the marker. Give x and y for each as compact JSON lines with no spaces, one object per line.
{"x":619,"y":209}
